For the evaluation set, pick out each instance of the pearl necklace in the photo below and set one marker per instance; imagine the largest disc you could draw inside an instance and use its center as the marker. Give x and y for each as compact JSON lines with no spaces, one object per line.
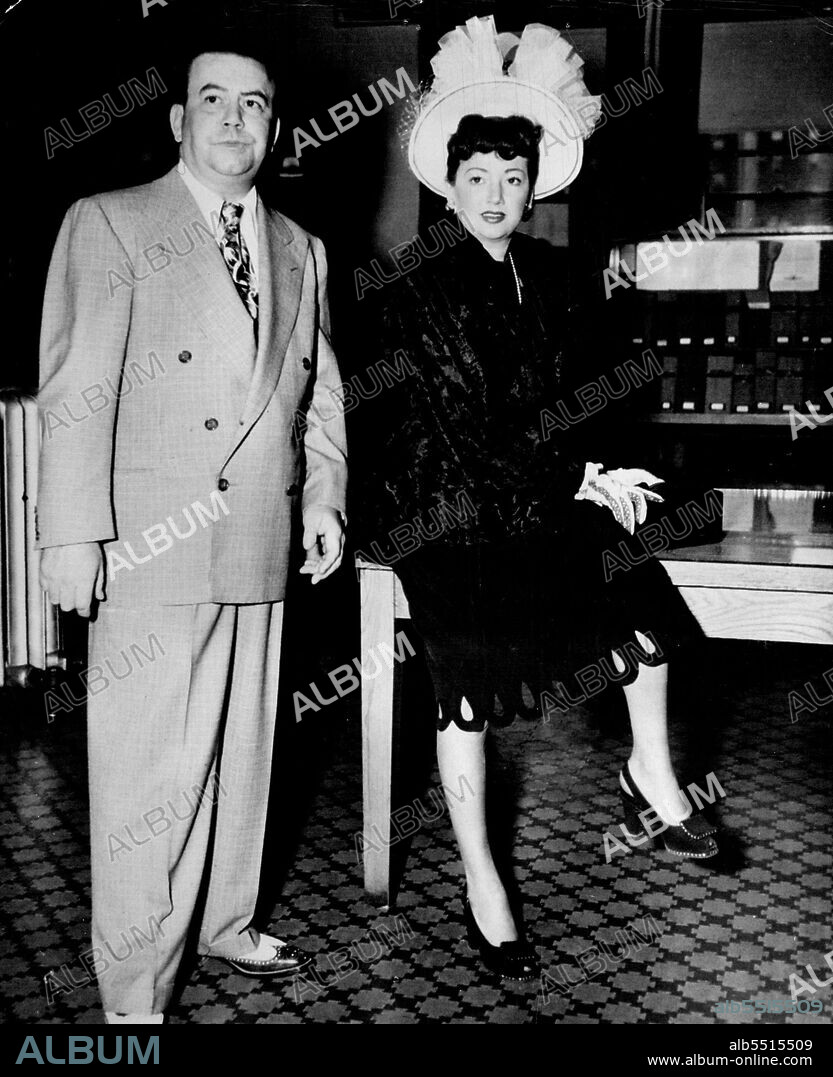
{"x":517,"y":279}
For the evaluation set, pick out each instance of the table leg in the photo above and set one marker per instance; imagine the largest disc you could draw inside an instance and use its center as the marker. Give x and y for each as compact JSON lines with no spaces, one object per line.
{"x":377,"y":628}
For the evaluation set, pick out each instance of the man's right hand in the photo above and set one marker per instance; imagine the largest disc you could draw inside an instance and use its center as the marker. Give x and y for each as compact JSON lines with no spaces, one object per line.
{"x":73,"y":575}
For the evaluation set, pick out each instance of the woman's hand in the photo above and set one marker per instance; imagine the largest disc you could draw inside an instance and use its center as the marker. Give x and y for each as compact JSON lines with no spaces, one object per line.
{"x":620,"y":491}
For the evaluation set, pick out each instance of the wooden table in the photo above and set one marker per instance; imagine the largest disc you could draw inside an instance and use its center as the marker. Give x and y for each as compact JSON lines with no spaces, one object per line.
{"x":759,"y":586}
{"x":753,"y":585}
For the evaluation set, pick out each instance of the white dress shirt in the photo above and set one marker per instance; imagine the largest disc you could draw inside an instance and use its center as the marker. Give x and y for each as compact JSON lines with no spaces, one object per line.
{"x":211,"y":203}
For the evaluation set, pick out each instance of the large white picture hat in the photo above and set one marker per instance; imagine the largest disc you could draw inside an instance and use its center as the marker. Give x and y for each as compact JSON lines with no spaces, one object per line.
{"x":542,"y":82}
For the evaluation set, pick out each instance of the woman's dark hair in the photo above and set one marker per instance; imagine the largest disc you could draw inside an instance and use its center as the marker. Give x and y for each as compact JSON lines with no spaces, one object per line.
{"x":507,"y":136}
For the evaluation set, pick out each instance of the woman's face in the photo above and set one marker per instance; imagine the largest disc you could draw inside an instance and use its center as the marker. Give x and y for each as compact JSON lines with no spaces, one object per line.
{"x":490,"y":195}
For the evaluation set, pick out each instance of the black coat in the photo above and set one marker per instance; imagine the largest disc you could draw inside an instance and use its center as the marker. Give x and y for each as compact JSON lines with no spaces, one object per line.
{"x":471,"y":496}
{"x":463,"y":427}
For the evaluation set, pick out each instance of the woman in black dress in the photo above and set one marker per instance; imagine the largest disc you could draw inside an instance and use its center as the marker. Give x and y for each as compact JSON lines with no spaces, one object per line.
{"x":507,"y":586}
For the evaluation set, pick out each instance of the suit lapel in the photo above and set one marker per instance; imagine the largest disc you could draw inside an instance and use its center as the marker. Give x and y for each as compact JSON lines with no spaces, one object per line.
{"x":201,"y":277}
{"x":203,"y":282}
{"x":280,"y":277}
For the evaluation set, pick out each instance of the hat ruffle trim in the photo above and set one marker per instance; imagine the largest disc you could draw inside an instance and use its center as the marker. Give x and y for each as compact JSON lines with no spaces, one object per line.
{"x":542,"y":58}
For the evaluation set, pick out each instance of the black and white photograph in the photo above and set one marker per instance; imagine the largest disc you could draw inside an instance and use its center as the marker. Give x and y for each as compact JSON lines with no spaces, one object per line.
{"x":416,"y":522}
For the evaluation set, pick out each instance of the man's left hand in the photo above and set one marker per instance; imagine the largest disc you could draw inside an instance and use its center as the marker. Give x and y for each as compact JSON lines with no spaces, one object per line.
{"x":323,"y":540}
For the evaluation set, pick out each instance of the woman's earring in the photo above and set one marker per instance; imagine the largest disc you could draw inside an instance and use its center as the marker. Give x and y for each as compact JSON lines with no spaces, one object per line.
{"x":448,"y":205}
{"x":527,"y":213}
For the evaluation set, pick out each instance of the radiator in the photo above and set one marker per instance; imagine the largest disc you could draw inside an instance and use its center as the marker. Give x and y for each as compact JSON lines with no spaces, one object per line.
{"x":30,"y":632}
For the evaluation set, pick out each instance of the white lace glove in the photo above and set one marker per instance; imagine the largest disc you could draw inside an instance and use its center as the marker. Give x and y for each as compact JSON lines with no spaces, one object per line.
{"x":620,"y":491}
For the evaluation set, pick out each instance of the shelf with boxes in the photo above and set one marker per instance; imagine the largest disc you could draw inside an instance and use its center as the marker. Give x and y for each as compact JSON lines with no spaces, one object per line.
{"x":739,"y":308}
{"x":723,"y":358}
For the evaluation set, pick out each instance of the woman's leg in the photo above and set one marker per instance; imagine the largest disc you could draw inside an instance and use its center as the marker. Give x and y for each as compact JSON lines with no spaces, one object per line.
{"x":462,"y":755}
{"x":650,"y":762}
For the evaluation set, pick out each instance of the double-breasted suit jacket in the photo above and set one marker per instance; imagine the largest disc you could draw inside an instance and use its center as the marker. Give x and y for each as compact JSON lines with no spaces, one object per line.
{"x":172,"y":430}
{"x":173,"y":433}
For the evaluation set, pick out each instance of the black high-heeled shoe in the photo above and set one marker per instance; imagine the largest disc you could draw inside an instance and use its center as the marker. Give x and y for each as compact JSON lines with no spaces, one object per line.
{"x":692,"y":839}
{"x":511,"y":960}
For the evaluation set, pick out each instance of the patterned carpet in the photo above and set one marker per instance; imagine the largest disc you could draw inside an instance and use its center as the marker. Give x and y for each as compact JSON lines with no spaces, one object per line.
{"x":642,"y":938}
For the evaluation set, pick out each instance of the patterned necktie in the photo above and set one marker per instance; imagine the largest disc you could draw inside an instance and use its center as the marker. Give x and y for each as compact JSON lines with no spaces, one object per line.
{"x":236,"y":255}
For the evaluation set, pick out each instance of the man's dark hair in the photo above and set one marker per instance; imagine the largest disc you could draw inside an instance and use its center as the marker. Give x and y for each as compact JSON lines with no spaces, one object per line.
{"x":507,"y":136}
{"x":235,"y":44}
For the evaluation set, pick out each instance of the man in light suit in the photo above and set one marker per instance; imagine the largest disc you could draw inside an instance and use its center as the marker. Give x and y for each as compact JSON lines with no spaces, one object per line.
{"x":185,"y":328}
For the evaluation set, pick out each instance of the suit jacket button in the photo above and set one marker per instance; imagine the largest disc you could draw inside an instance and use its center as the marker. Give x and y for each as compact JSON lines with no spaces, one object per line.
{"x":184,"y":357}
{"x":223,"y":485}
{"x":292,"y":490}
{"x":211,"y":424}
{"x":306,"y":363}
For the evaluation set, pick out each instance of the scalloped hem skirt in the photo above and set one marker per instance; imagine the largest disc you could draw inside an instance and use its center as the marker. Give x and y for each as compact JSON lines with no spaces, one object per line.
{"x":538,"y":624}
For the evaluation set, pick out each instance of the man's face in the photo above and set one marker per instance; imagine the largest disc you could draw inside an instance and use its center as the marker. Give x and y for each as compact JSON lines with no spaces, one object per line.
{"x":224,"y":125}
